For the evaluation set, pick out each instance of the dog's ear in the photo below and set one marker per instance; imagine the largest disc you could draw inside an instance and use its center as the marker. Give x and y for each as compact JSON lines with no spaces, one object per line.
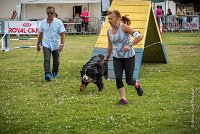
{"x":99,"y":68}
{"x":96,"y":71}
{"x":99,"y":65}
{"x":94,"y":68}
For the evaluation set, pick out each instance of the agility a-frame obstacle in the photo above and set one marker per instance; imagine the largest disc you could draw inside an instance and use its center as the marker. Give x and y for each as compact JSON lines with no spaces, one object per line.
{"x":150,"y":49}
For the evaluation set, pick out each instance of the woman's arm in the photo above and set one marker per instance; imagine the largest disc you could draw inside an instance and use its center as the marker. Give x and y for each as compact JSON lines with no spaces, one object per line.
{"x":136,"y":34}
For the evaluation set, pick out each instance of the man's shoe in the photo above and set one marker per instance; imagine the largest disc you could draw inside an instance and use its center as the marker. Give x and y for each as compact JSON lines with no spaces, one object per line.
{"x":122,"y":102}
{"x":47,"y":77}
{"x":55,"y":74}
{"x":139,"y":89}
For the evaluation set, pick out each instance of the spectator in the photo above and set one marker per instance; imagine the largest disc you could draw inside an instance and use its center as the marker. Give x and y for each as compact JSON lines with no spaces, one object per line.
{"x":85,"y":19}
{"x":158,"y":15}
{"x":78,"y":20}
{"x":121,"y":45}
{"x":162,"y":13}
{"x":50,"y":30}
{"x":169,"y":12}
{"x":189,"y":18}
{"x":180,"y":14}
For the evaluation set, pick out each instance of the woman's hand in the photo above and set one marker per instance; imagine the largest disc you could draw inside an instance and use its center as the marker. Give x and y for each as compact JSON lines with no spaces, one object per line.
{"x":126,"y":48}
{"x":106,"y":60}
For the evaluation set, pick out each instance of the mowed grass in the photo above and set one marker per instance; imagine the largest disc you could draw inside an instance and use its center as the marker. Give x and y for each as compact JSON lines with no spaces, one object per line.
{"x":170,"y":104}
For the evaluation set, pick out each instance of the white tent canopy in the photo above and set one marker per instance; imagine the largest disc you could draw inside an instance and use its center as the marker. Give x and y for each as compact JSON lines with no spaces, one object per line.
{"x":56,"y":1}
{"x":36,"y":9}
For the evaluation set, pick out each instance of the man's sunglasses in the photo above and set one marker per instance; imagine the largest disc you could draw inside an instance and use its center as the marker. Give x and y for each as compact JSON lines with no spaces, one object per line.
{"x":49,"y":13}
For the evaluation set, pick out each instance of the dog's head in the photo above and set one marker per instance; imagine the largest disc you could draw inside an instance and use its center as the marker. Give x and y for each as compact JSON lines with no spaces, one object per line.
{"x":90,"y":72}
{"x":93,"y":71}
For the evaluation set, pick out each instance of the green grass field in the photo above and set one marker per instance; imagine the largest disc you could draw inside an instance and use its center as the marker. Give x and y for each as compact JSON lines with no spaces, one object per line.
{"x":170,"y":105}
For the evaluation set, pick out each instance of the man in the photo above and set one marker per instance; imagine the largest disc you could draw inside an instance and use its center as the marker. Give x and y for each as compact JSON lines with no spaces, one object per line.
{"x":50,"y":31}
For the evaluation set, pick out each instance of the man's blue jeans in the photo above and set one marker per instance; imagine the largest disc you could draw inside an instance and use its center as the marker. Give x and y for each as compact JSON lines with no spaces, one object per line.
{"x":47,"y":58}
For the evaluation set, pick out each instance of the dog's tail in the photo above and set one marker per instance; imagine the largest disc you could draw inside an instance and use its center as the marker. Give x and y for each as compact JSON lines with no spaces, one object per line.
{"x":105,"y":73}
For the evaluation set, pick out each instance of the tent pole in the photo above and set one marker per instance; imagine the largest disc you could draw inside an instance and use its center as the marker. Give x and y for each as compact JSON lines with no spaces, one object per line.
{"x":24,"y":12}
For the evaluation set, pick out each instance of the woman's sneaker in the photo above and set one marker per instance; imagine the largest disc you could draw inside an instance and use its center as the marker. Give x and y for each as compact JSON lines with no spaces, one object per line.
{"x":47,"y":77}
{"x":122,"y":102}
{"x":55,"y":74}
{"x":139,"y":89}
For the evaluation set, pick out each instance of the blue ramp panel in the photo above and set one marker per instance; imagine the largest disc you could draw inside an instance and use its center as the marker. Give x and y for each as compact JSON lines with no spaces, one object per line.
{"x":138,"y":61}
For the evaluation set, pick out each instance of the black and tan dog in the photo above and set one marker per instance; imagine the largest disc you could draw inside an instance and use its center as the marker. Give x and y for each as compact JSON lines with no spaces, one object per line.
{"x":93,"y":71}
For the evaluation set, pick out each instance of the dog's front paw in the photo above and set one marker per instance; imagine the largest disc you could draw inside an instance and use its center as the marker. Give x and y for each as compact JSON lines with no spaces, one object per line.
{"x":82,"y":87}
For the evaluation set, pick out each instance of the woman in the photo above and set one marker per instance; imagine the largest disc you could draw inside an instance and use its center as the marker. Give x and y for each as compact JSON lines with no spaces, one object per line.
{"x":120,"y":45}
{"x":158,"y":15}
{"x":180,"y":14}
{"x":85,"y":16}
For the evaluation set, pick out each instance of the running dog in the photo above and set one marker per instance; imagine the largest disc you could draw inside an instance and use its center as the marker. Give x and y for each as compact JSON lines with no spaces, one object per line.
{"x":93,"y":72}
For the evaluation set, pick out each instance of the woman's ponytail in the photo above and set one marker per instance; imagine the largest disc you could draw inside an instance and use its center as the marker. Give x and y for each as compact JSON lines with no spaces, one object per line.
{"x":126,"y":20}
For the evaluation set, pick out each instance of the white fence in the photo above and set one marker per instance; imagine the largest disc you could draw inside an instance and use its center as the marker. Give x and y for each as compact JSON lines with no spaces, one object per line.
{"x":92,"y":27}
{"x":187,"y":22}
